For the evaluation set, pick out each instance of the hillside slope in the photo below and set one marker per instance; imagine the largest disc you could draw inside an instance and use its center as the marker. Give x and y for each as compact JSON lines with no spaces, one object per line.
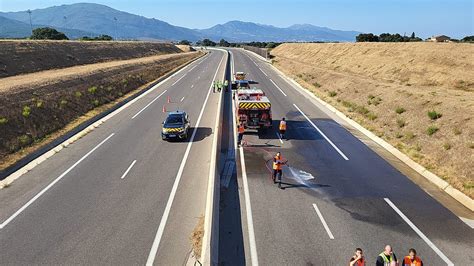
{"x":390,"y":87}
{"x":19,"y":57}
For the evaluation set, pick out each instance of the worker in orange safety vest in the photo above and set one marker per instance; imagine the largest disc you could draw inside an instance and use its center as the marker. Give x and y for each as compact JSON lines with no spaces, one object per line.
{"x":282,"y":128}
{"x":277,"y":168}
{"x":240,"y":131}
{"x":412,"y":259}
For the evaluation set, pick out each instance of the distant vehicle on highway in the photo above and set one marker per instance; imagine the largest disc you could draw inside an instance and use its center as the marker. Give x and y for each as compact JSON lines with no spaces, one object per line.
{"x":176,"y":126}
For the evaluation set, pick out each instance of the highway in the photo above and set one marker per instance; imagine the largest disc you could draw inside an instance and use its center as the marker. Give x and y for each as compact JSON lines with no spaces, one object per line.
{"x":338,"y":194}
{"x":120,"y":195}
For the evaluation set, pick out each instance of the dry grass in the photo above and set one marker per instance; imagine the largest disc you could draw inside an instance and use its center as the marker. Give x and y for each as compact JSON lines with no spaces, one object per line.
{"x":185,"y":48}
{"x":373,"y":82}
{"x":197,"y":236}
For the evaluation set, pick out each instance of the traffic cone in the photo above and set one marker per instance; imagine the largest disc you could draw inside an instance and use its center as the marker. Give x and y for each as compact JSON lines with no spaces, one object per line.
{"x":169,"y":99}
{"x":164,"y":108}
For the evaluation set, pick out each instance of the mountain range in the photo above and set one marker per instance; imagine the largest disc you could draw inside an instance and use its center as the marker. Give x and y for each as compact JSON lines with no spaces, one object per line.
{"x":87,"y":19}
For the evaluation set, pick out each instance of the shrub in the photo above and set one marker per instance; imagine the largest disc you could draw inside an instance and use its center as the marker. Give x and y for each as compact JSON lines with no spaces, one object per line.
{"x":362,"y":110}
{"x":400,"y":110}
{"x":109,"y":88}
{"x":431,"y":130}
{"x":372,"y":116}
{"x":95,"y":102}
{"x":399,"y":135}
{"x":62,"y":103}
{"x":317,"y":85}
{"x":447,"y":146}
{"x":92,"y":90}
{"x":457,"y":131}
{"x":3,"y":120}
{"x":433,"y":115}
{"x":409,"y":135}
{"x":371,"y":96}
{"x":120,"y":94}
{"x":400,"y":123}
{"x":332,"y":93}
{"x":26,"y":111}
{"x":24,"y":140}
{"x":78,"y":94}
{"x":39,"y":104}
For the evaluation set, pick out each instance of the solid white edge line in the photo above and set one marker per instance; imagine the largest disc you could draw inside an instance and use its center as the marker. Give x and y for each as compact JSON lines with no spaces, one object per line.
{"x":128,"y":169}
{"x":146,"y":106}
{"x":52,"y":183}
{"x":248,"y":205}
{"x":322,"y":134}
{"x":164,"y":218}
{"x":278,"y":135}
{"x":323,"y":221}
{"x":418,"y":232}
{"x":278,"y":87}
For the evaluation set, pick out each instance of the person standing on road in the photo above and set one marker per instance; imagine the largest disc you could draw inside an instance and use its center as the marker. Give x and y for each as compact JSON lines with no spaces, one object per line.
{"x":219,"y":86}
{"x":214,"y":85}
{"x":282,"y":128}
{"x":240,"y":131}
{"x":226,"y":85}
{"x":358,"y":258}
{"x":412,"y":259}
{"x":277,"y":168}
{"x":387,"y":257}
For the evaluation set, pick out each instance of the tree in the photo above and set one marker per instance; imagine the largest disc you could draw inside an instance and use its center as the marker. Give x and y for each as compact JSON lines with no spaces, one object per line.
{"x":367,"y":37}
{"x":207,"y":42}
{"x":184,"y":42}
{"x":47,"y":33}
{"x":468,"y":39}
{"x":271,"y":45}
{"x":412,"y":35}
{"x":224,"y":43}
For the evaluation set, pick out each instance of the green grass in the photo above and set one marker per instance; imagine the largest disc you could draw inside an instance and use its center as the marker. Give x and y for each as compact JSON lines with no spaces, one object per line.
{"x":431,"y":130}
{"x":26,"y":111}
{"x":332,"y":93}
{"x":92,"y":90}
{"x":400,"y":110}
{"x":433,"y":115}
{"x":39,"y":104}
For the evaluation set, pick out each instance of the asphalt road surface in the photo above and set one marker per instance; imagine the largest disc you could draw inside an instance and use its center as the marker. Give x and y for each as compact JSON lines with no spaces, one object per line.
{"x":119,"y":195}
{"x":338,"y":194}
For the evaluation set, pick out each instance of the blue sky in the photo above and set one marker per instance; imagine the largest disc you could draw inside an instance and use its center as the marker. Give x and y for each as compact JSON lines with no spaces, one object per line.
{"x":424,"y":17}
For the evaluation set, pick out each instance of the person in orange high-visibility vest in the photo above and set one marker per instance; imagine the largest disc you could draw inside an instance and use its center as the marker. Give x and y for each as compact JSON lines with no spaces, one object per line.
{"x":282,"y":128}
{"x":277,"y":168}
{"x":240,"y":130}
{"x":358,"y":258}
{"x":412,"y":259}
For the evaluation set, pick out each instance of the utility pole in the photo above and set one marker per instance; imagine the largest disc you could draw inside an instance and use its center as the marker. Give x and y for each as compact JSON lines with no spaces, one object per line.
{"x":116,"y":29}
{"x":31,"y":24}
